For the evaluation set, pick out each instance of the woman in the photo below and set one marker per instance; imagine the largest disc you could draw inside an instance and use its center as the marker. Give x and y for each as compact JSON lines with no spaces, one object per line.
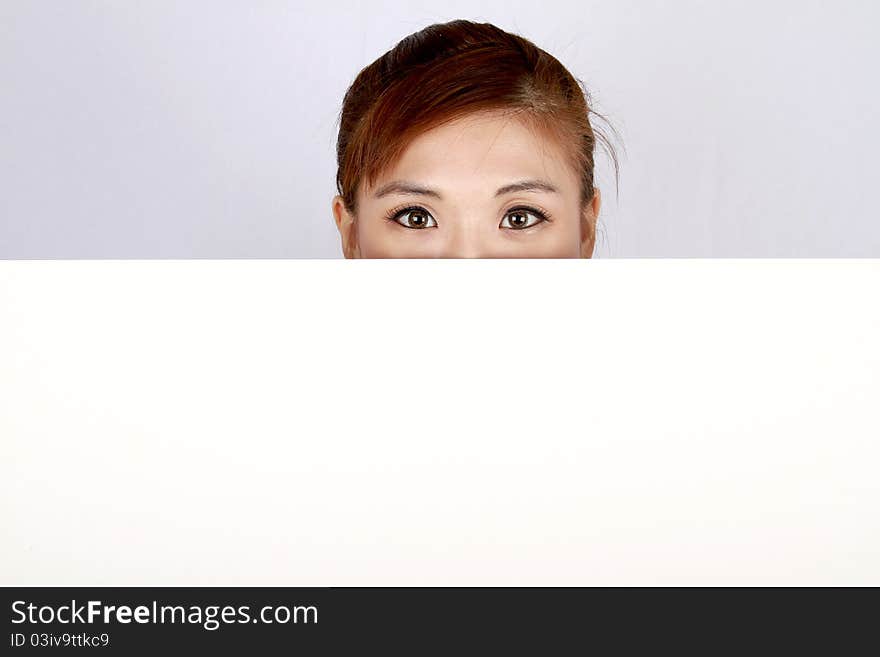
{"x":466,"y":141}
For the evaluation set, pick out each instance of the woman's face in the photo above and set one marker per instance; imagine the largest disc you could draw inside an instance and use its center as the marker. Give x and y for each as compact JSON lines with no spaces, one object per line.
{"x":483,"y":186}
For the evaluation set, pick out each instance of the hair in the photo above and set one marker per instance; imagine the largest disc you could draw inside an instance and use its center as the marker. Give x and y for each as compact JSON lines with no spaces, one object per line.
{"x":447,"y":71}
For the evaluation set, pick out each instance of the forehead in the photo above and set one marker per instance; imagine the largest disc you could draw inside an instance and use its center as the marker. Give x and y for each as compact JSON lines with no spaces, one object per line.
{"x":483,"y":149}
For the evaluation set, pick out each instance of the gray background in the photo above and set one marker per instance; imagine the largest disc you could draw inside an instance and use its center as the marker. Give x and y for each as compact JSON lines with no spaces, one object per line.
{"x":206,"y":129}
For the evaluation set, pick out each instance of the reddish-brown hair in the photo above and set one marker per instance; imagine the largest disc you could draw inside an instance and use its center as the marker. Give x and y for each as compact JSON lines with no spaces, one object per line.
{"x":448,"y":70}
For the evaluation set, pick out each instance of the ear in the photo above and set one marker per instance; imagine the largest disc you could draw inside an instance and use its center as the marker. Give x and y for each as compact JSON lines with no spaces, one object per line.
{"x":588,"y":225}
{"x":345,"y":223}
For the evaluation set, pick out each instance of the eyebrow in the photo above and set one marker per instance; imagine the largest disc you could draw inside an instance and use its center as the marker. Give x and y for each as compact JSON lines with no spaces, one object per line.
{"x":412,"y":189}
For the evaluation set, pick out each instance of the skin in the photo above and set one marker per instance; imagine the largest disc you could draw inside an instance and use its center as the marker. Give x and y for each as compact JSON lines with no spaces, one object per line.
{"x":466,"y":163}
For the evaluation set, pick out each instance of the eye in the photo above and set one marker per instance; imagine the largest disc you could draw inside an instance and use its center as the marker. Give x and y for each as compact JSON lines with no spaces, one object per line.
{"x":520,"y":218}
{"x":414,"y":217}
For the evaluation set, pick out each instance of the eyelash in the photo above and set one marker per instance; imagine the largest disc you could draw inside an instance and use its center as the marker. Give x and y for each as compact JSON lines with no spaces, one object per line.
{"x":394,"y":213}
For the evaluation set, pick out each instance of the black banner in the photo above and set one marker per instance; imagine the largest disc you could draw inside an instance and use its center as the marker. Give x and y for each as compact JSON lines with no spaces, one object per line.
{"x":318,"y":621}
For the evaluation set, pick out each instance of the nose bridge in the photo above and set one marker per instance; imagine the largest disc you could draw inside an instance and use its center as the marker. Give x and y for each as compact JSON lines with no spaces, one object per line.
{"x":468,"y":237}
